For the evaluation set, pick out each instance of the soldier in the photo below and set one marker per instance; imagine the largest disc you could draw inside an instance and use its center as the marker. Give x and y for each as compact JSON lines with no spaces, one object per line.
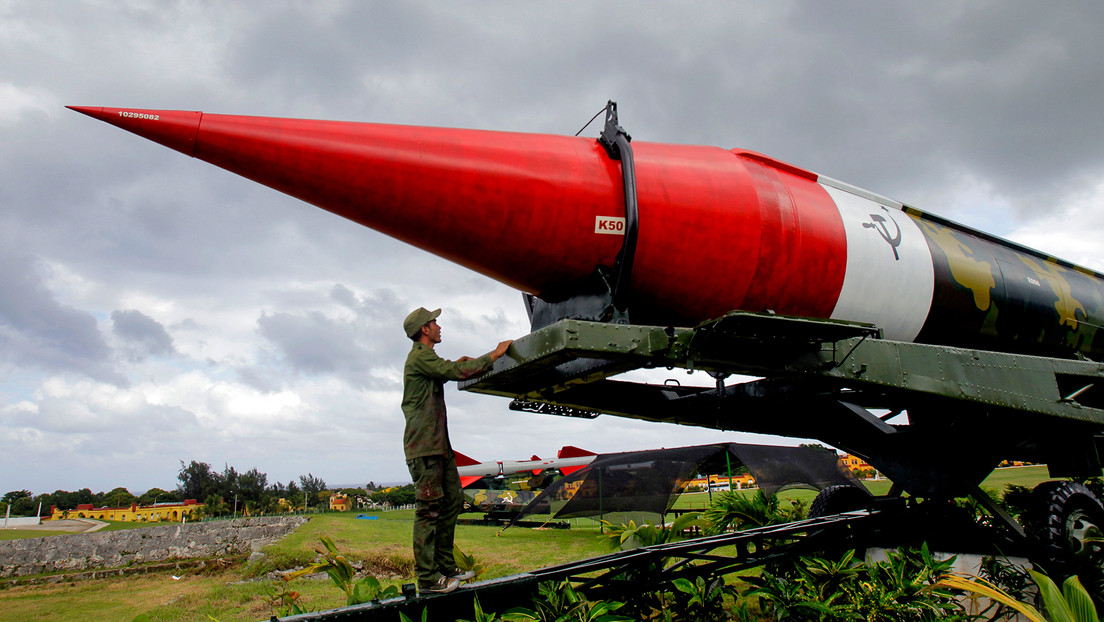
{"x":429,"y":456}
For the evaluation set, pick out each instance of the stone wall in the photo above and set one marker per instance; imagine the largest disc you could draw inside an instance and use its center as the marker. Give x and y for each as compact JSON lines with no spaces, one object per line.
{"x":113,"y":549}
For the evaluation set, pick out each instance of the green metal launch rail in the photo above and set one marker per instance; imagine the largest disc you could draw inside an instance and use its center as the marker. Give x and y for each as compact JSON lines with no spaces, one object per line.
{"x":846,"y":354}
{"x":617,"y":576}
{"x":838,"y":382}
{"x":606,"y":576}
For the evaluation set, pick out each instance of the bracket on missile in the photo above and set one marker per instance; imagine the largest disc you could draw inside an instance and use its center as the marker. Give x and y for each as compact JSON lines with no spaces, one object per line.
{"x":838,"y":382}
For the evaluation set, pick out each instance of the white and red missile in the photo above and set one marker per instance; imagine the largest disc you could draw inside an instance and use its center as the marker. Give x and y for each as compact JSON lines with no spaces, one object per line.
{"x":568,"y":460}
{"x":719,"y":230}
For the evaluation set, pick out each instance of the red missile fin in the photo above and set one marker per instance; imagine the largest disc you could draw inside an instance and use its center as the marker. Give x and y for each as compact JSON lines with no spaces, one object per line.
{"x":570,"y":451}
{"x":462,"y":460}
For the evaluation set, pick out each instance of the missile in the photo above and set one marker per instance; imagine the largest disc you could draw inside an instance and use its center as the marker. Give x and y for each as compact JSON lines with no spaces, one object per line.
{"x":713,"y":230}
{"x":568,"y":460}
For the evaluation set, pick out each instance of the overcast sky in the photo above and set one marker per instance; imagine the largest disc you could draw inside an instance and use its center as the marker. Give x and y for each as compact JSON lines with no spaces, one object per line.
{"x":155,"y":309}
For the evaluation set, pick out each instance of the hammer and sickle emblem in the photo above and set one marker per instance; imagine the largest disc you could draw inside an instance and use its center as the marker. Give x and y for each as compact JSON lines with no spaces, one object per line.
{"x":879,"y":225}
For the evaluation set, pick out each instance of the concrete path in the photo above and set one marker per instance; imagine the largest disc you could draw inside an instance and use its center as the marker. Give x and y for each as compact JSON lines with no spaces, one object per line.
{"x":75,"y":525}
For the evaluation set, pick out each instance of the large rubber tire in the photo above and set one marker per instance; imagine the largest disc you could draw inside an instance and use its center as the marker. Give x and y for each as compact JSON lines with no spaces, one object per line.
{"x":1067,"y":516}
{"x":837,"y":499}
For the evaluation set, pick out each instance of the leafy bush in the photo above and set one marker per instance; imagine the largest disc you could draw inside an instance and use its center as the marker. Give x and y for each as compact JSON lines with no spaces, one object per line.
{"x":559,"y":602}
{"x":701,"y":600}
{"x":467,"y":562}
{"x":343,"y":575}
{"x":1072,"y":603}
{"x":731,"y":509}
{"x":904,"y":587}
{"x":631,"y":536}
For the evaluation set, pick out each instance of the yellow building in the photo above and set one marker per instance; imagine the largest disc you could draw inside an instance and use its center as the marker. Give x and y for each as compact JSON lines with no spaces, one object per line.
{"x":720,"y":482}
{"x":857,"y":465}
{"x":172,"y":511}
{"x":340,"y":503}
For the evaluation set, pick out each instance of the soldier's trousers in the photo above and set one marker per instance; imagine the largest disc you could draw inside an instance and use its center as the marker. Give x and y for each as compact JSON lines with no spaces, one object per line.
{"x":439,"y":499}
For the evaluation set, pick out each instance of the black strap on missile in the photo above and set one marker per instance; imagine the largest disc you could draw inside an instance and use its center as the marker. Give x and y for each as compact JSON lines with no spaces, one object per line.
{"x":615,"y":140}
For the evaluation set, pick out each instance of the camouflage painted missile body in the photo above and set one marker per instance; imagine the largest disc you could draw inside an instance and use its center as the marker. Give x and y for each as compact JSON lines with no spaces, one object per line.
{"x":988,"y":294}
{"x":719,"y":230}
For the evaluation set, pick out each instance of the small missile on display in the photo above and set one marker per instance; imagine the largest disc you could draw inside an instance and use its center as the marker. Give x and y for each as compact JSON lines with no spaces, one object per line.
{"x":568,"y":460}
{"x":716,"y":230}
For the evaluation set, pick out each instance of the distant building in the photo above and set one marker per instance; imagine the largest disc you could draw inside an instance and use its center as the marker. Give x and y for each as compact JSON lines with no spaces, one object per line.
{"x":171,"y":511}
{"x":721,"y":482}
{"x":858,"y":466}
{"x":340,"y":503}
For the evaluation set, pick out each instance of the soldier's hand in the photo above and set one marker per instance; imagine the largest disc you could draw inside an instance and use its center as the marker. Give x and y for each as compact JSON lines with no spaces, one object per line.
{"x":501,"y":349}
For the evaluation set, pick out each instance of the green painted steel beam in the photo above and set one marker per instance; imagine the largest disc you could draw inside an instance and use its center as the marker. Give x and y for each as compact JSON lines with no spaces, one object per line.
{"x":844,"y":355}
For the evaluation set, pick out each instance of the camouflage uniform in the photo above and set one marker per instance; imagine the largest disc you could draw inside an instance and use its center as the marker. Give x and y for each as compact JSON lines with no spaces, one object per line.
{"x":429,"y":456}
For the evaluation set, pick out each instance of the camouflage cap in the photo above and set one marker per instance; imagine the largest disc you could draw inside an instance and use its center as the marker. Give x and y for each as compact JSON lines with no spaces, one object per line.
{"x":417,"y":319}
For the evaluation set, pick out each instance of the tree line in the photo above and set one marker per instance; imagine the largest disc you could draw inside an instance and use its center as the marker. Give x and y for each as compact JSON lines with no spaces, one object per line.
{"x":222,"y":493}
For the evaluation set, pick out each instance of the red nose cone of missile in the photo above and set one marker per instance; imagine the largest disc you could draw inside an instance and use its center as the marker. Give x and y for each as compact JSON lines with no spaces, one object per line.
{"x":172,"y":128}
{"x":539,"y":212}
{"x":499,"y":203}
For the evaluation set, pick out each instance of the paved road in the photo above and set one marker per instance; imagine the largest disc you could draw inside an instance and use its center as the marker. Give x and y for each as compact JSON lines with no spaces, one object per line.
{"x":72,"y":524}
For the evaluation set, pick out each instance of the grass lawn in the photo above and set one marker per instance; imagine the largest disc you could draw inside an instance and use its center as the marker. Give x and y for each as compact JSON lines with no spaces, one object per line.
{"x":19,"y":534}
{"x":236,"y":594}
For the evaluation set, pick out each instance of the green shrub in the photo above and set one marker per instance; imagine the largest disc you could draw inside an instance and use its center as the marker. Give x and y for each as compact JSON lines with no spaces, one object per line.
{"x":904,"y":587}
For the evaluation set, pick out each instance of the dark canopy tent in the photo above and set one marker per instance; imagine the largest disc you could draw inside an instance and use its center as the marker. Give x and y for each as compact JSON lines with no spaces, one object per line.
{"x":649,"y":481}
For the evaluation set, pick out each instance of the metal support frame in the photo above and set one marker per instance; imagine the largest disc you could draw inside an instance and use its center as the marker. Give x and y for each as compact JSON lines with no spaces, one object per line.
{"x":825,"y":379}
{"x":621,"y":575}
{"x":604,"y":576}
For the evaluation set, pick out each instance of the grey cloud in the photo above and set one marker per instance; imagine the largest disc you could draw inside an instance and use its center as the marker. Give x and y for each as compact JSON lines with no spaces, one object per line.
{"x":344,"y":295}
{"x":905,"y":95}
{"x":377,"y":307}
{"x":261,"y":377}
{"x":498,"y":322}
{"x":350,"y":348}
{"x":37,"y":330}
{"x":102,"y":423}
{"x":299,"y":49}
{"x":144,"y":335}
{"x":313,"y":343}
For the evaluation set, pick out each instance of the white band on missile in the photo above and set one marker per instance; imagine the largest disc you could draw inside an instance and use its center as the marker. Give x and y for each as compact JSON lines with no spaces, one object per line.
{"x":889,"y":278}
